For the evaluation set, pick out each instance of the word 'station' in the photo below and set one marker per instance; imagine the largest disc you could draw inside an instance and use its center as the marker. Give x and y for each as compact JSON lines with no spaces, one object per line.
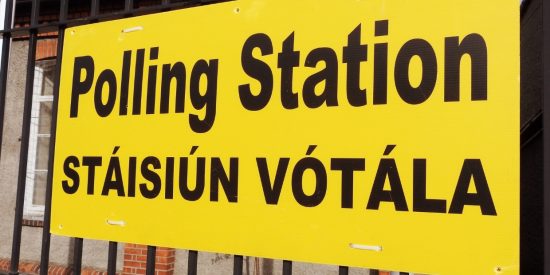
{"x":285,"y":124}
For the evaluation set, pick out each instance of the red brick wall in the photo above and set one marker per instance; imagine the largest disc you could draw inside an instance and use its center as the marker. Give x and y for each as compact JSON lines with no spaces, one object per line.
{"x":46,"y":48}
{"x":135,"y":260}
{"x":33,"y":268}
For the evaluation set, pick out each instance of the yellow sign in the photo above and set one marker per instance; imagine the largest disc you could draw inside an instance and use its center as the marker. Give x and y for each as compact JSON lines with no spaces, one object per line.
{"x":380,"y":134}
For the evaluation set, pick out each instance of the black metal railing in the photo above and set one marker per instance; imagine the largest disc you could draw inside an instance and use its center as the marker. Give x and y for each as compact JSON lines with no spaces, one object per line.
{"x":32,"y":31}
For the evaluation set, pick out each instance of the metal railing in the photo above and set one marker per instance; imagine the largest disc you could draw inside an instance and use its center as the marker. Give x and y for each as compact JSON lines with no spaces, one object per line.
{"x":32,"y":31}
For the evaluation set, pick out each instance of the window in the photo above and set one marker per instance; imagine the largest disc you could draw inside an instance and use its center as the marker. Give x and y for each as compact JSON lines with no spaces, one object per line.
{"x":39,"y":141}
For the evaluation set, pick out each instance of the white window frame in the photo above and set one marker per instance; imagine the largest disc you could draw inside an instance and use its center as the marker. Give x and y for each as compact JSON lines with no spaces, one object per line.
{"x":35,"y":211}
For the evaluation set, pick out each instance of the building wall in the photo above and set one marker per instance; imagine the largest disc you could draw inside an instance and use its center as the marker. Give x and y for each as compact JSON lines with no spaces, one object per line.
{"x":531,"y":60}
{"x":531,"y":170}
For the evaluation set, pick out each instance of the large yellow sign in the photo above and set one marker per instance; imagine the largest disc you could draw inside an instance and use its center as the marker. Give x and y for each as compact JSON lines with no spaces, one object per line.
{"x":379,"y":134}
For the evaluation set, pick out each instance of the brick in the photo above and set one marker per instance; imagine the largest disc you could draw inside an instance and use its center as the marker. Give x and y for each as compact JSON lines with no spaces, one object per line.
{"x":132,"y":251}
{"x":162,"y":266}
{"x":129,"y":271}
{"x":4,"y":264}
{"x":25,"y":267}
{"x":46,"y":48}
{"x":166,"y":252}
{"x":170,"y":259}
{"x":132,"y":264}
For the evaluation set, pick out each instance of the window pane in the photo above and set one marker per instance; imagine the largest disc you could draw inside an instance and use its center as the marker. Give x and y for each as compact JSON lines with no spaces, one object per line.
{"x":38,"y":197}
{"x":49,"y":73}
{"x":42,"y":149}
{"x":45,"y":118}
{"x":39,"y":142}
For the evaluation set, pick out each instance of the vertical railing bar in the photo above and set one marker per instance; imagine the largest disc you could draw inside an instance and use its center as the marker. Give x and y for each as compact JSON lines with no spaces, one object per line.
{"x":63,"y":13}
{"x":192,"y":260}
{"x":6,"y":42}
{"x":164,"y":5}
{"x":23,"y":155}
{"x":546,"y":136}
{"x":151,"y":254}
{"x":237,"y":265}
{"x":77,"y":255}
{"x":111,"y":263}
{"x":35,"y":12}
{"x":46,"y":236}
{"x":128,"y":6}
{"x":94,"y":9}
{"x":287,"y":267}
{"x":343,"y":270}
